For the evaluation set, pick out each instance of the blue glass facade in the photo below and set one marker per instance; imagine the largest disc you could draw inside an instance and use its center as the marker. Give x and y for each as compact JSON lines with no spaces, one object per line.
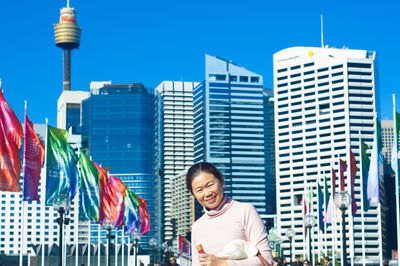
{"x":269,"y":143}
{"x":229,"y":129}
{"x":73,"y":118}
{"x":118,"y":121}
{"x":118,"y":127}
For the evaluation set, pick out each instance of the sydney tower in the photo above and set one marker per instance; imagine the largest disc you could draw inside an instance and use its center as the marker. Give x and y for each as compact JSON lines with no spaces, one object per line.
{"x":68,"y":36}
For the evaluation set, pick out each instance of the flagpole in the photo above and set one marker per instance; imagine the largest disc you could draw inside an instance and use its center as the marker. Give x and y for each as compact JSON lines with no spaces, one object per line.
{"x":362,"y":201}
{"x":325,"y":206}
{"x":319,"y":234}
{"x":43,"y":198}
{"x":98,"y":244}
{"x":77,"y":219}
{"x":333,"y":188}
{"x":396,"y":172}
{"x":21,"y":256}
{"x":123,"y":246}
{"x":115,"y":247}
{"x":379,"y":185}
{"x":350,"y":210}
{"x":89,"y":241}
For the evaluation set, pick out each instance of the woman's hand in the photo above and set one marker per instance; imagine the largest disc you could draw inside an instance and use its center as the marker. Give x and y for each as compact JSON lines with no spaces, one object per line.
{"x":211,"y":260}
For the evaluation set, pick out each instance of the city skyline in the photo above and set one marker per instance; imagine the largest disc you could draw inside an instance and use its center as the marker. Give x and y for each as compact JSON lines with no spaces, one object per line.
{"x":142,"y":42}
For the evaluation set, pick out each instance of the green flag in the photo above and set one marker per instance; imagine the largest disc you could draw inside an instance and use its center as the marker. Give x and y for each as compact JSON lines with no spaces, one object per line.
{"x":395,"y":148}
{"x":62,"y":176}
{"x":89,"y":204}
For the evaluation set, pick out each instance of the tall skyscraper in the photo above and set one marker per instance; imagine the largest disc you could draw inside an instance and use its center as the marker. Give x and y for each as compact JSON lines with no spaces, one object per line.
{"x":229,"y":129}
{"x":174,"y":143}
{"x":67,"y":35}
{"x":387,"y":142}
{"x":324,"y":98}
{"x":269,"y":155}
{"x":118,"y":128}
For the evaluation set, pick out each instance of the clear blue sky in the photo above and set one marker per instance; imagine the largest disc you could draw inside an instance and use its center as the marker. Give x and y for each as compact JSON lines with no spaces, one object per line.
{"x":150,"y":41}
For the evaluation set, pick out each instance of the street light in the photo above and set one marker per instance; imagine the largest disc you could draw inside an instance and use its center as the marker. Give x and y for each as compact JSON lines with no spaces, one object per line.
{"x":153,"y":243}
{"x":136,"y":238}
{"x":108,"y":224}
{"x":309,"y":222}
{"x":290,"y":234}
{"x":342,"y":201}
{"x":61,"y":205}
{"x":164,"y":247}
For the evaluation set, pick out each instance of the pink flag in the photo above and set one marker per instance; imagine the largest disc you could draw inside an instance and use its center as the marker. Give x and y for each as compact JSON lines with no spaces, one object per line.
{"x":343,"y":168}
{"x":144,"y":217}
{"x":10,"y":143}
{"x":33,"y":160}
{"x":115,"y":191}
{"x":353,"y":172}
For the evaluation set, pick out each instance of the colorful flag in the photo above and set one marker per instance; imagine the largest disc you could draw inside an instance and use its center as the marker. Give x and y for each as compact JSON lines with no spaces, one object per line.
{"x":131,"y":214}
{"x":115,"y":192}
{"x":181,"y":244}
{"x":89,"y":204}
{"x":333,"y":182}
{"x":375,"y":167}
{"x":10,"y":143}
{"x":105,"y":208}
{"x":395,"y":149}
{"x":353,"y":173}
{"x":62,"y":177}
{"x":12,"y":126}
{"x":304,"y":205}
{"x":320,"y":204}
{"x":144,"y":217}
{"x":343,"y":168}
{"x":33,"y":161}
{"x":365,"y":162}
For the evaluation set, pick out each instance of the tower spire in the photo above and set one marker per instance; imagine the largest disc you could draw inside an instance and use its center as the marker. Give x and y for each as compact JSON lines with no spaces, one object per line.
{"x":67,"y":34}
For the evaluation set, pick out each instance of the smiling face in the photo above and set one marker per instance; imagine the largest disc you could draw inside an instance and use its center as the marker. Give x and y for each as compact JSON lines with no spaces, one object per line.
{"x":208,"y":190}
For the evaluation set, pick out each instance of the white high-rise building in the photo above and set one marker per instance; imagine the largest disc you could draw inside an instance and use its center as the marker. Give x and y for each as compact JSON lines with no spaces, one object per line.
{"x":324,"y":98}
{"x":174,"y":143}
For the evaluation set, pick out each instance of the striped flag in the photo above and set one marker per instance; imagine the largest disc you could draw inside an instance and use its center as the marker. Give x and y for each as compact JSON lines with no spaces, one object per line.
{"x":89,"y":204}
{"x":33,"y":160}
{"x":62,"y":176}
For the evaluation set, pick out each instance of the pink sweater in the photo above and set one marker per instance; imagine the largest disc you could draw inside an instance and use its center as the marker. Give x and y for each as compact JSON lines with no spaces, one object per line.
{"x":230,"y":221}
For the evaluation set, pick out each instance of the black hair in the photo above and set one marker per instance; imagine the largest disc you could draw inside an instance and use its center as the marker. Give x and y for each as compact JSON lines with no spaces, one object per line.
{"x":203,"y":167}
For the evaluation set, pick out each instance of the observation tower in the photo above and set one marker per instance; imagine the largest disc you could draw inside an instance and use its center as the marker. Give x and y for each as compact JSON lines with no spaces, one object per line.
{"x":67,"y":35}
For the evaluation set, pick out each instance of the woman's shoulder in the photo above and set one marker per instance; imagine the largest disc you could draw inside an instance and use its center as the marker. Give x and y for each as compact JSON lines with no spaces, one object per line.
{"x":244,"y":206}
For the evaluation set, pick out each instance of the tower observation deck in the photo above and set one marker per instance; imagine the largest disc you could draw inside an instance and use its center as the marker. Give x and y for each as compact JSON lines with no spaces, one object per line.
{"x":67,"y":36}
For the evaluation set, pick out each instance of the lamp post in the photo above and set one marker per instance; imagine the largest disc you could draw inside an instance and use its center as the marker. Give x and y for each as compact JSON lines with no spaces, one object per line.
{"x":136,"y":238}
{"x":290,"y":234}
{"x":342,"y":201}
{"x":108,"y":224}
{"x":309,"y":222}
{"x":61,"y":205}
{"x":164,"y":247}
{"x":153,"y":243}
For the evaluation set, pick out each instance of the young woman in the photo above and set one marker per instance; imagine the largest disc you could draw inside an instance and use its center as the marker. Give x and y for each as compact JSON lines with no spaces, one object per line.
{"x":224,"y":220}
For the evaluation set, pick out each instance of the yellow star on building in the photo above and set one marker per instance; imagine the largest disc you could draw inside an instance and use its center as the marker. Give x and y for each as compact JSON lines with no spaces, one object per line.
{"x":310,"y":54}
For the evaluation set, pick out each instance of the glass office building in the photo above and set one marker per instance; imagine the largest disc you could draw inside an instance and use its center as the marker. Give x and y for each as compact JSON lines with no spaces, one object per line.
{"x":229,"y":129}
{"x":118,"y":128}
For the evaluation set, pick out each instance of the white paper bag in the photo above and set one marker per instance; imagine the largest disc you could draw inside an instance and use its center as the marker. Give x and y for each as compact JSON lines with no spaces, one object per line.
{"x":238,"y":249}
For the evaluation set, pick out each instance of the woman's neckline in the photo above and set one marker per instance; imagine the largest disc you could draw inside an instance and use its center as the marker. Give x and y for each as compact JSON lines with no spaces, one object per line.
{"x":222,"y":208}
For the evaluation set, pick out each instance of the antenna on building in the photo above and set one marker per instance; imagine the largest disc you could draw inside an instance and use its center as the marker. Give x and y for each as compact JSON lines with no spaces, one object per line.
{"x":322,"y":31}
{"x":67,"y":3}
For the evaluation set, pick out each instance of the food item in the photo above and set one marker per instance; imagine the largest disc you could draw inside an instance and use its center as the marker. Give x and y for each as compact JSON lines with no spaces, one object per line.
{"x":200,"y":249}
